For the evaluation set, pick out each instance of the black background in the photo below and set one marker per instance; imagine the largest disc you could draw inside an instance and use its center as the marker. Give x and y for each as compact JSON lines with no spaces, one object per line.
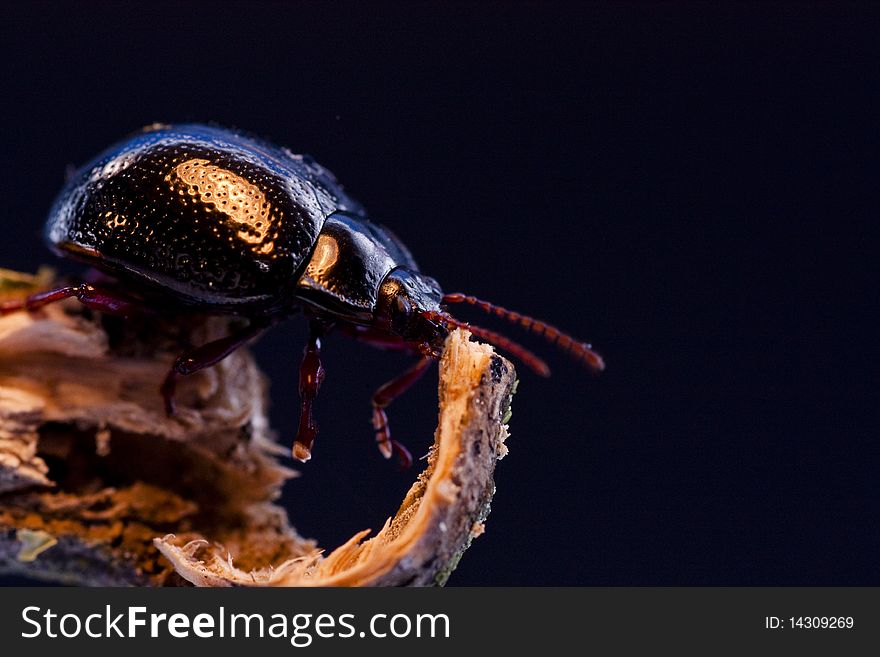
{"x":691,"y":187}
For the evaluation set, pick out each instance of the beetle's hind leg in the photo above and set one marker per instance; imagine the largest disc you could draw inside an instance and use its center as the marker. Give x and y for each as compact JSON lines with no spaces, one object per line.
{"x":383,"y":397}
{"x":111,"y":302}
{"x":205,"y":356}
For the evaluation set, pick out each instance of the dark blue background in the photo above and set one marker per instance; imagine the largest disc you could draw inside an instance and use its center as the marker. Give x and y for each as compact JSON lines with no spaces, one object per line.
{"x":690,"y":186}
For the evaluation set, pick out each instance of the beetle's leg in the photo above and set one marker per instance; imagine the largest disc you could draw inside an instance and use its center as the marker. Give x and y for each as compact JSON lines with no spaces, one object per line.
{"x":384,"y":396}
{"x":311,"y":374}
{"x":110,"y":302}
{"x":205,"y":356}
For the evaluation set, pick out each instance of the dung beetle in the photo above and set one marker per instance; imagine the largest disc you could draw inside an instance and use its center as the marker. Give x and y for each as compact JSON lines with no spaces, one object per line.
{"x":201,"y":218}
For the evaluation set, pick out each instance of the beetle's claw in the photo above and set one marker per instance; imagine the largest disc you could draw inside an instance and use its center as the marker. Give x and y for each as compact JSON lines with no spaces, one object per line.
{"x":385,"y":449}
{"x":300,"y":452}
{"x":389,"y":447}
{"x":404,"y":458}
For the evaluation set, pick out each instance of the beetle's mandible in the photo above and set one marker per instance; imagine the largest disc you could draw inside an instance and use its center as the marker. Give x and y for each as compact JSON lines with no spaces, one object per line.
{"x":200,"y":218}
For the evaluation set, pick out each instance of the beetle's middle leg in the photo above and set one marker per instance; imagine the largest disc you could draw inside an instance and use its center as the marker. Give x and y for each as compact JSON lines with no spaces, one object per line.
{"x":311,"y":375}
{"x":384,"y":396}
{"x":205,"y":356}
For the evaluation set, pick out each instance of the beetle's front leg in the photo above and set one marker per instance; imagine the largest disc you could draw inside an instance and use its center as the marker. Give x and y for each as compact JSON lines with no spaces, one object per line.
{"x":311,"y":375}
{"x":384,"y":396}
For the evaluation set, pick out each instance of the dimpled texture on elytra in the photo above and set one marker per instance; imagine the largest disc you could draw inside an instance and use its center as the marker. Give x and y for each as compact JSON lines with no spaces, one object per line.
{"x":205,"y":213}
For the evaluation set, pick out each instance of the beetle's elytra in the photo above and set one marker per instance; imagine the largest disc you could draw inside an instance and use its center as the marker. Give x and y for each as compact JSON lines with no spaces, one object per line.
{"x":204,"y":218}
{"x":210,"y":216}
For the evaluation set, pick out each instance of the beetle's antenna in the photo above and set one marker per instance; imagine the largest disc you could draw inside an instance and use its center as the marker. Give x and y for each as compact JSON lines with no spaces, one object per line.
{"x":537,"y":365}
{"x":580,"y":351}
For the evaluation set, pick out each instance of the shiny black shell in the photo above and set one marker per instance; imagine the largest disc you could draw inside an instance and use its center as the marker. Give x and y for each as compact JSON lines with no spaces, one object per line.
{"x":207,"y":215}
{"x":351,"y":258}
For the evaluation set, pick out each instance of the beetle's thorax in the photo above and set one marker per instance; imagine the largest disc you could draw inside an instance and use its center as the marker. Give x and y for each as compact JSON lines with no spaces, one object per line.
{"x":360,"y":273}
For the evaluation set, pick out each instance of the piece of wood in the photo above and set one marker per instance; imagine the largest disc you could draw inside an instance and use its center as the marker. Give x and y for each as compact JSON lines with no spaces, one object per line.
{"x":99,"y":487}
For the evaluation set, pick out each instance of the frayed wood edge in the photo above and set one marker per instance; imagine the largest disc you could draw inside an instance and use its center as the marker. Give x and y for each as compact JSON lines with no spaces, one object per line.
{"x":444,"y":510}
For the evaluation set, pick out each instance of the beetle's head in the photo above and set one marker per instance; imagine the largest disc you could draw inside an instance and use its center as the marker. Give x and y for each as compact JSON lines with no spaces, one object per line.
{"x":407,"y":301}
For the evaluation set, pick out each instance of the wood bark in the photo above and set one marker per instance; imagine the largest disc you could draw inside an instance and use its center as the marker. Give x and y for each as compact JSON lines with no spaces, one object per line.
{"x":99,"y":487}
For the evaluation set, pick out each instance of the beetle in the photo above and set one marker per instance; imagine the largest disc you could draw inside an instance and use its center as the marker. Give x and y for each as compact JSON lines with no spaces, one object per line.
{"x":201,"y":218}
